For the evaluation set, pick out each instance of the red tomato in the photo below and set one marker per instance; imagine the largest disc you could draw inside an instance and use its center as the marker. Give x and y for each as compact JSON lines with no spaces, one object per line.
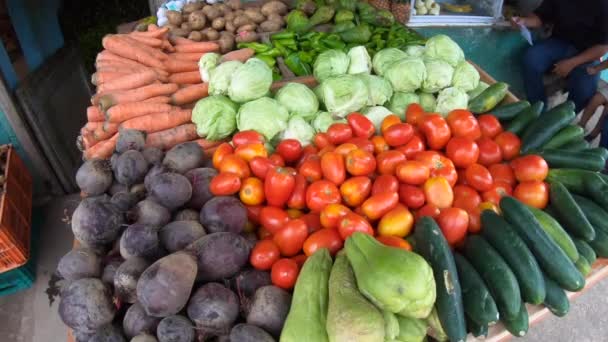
{"x":233,"y":164}
{"x":279,"y":185}
{"x":284,"y":273}
{"x":414,"y":114}
{"x":294,"y":213}
{"x":362,"y":143}
{"x":297,"y":200}
{"x":387,"y":162}
{"x":260,"y":166}
{"x":415,"y":145}
{"x":224,"y":184}
{"x":220,"y":153}
{"x":502,"y":173}
{"x":250,"y":151}
{"x":439,"y":165}
{"x":453,"y":223}
{"x":479,"y":177}
{"x":360,"y":163}
{"x":345,"y":149}
{"x":291,"y":237}
{"x":300,"y":259}
{"x":530,"y":168}
{"x":385,"y":183}
{"x":435,"y":130}
{"x":264,"y":255}
{"x":264,"y":234}
{"x":429,"y":210}
{"x":496,"y":192}
{"x":321,"y":140}
{"x":332,"y":165}
{"x":411,"y":196}
{"x":252,"y":191}
{"x":489,"y":152}
{"x":412,"y":172}
{"x":273,"y":218}
{"x":354,"y":223}
{"x":313,"y":222}
{"x":394,"y":241}
{"x":474,"y":220}
{"x":398,"y":134}
{"x":377,"y":205}
{"x":243,"y":138}
{"x":438,"y":192}
{"x":463,"y":124}
{"x":380,"y":144}
{"x":462,"y":179}
{"x":490,"y":126}
{"x":361,"y":125}
{"x":276,"y":160}
{"x":509,"y":144}
{"x":311,"y":169}
{"x":324,"y":238}
{"x":355,"y":190}
{"x":321,"y":193}
{"x":290,"y":150}
{"x":465,"y":197}
{"x":326,"y":149}
{"x":339,"y":133}
{"x":308,"y":150}
{"x":253,"y":213}
{"x":388,"y":121}
{"x":532,"y":193}
{"x":462,"y":151}
{"x":332,"y":214}
{"x":397,"y":222}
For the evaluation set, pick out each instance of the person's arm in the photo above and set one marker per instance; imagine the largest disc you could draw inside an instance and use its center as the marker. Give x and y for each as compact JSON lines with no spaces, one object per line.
{"x":594,"y":70}
{"x":530,"y":21}
{"x":594,"y":53}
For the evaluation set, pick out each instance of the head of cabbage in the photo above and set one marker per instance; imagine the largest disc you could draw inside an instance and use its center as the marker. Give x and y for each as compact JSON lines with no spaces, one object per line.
{"x":378,"y":88}
{"x":438,"y":75}
{"x":360,"y":61}
{"x":299,"y":129}
{"x":384,"y":58}
{"x":299,"y":100}
{"x":451,"y":98}
{"x":323,"y":120}
{"x":330,"y":63}
{"x":415,"y":50}
{"x":207,"y":62}
{"x":400,"y":101}
{"x":250,"y":81}
{"x":343,"y":94}
{"x":444,"y":48}
{"x":376,"y":114}
{"x":264,"y":115}
{"x":427,"y":101}
{"x":466,"y":77}
{"x":406,"y":74}
{"x":220,"y":76}
{"x":215,"y":117}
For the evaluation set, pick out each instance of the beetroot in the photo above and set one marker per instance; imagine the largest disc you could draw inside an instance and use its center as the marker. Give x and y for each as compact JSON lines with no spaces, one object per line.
{"x":224,"y":214}
{"x":124,"y":200}
{"x":136,"y":321}
{"x":175,"y":328}
{"x":150,"y":213}
{"x":94,"y":177}
{"x":126,"y":277}
{"x":131,"y":168}
{"x":153,"y":155}
{"x":249,"y":333}
{"x":130,"y":139}
{"x":107,"y":275}
{"x":154,"y":170}
{"x":116,"y":188}
{"x":213,"y":308}
{"x":219,"y":255}
{"x":184,"y":157}
{"x":200,"y":179}
{"x":186,"y":215}
{"x":96,"y":221}
{"x":177,"y":235}
{"x":139,"y":240}
{"x":86,"y":305}
{"x":171,"y":190}
{"x":79,"y":263}
{"x":108,"y":333}
{"x":247,"y":282}
{"x":269,"y":309}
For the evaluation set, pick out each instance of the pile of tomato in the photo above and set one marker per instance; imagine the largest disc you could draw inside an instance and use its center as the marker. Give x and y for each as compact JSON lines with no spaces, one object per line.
{"x":376,"y":180}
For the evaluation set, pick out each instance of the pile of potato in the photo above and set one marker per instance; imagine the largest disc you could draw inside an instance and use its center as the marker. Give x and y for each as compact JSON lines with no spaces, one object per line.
{"x":229,"y":20}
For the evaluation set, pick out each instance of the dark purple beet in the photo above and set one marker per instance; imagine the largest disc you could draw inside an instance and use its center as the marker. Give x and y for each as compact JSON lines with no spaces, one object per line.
{"x":213,"y":308}
{"x":200,"y":179}
{"x":220,"y":255}
{"x":224,"y":214}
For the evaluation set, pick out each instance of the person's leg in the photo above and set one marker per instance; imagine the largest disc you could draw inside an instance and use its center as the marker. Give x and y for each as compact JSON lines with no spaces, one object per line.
{"x":596,"y":101}
{"x":603,"y":125}
{"x":539,"y":59}
{"x":599,"y":127}
{"x":581,"y":86}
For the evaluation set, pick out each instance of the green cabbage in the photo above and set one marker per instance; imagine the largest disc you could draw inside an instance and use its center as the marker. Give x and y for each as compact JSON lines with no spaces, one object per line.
{"x":299,"y":129}
{"x":427,"y":101}
{"x":264,"y":115}
{"x":384,"y":58}
{"x":379,"y":89}
{"x":466,"y":77}
{"x":438,"y":75}
{"x":406,"y":74}
{"x":478,"y":90}
{"x":330,"y":63}
{"x":323,"y":120}
{"x":415,"y":50}
{"x":250,"y":81}
{"x":400,"y":101}
{"x":376,"y":114}
{"x":208,"y":62}
{"x":343,"y":94}
{"x":220,"y":76}
{"x":299,"y":100}
{"x":450,"y":99}
{"x":360,"y":61}
{"x":444,"y":48}
{"x":215,"y":117}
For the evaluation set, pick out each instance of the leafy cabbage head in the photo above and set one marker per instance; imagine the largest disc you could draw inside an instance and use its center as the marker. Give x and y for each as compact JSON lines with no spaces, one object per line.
{"x":427,"y":101}
{"x":343,"y":94}
{"x":207,"y":62}
{"x":220,"y":76}
{"x":444,"y":48}
{"x":466,"y":77}
{"x":215,"y":117}
{"x":264,"y":115}
{"x":406,"y":74}
{"x":451,"y":98}
{"x":384,"y":58}
{"x":250,"y":81}
{"x":400,"y":101}
{"x":360,"y":61}
{"x":299,"y":100}
{"x":330,"y":63}
{"x":378,"y":88}
{"x":323,"y":120}
{"x":438,"y":75}
{"x":415,"y":50}
{"x":299,"y":129}
{"x":376,"y":114}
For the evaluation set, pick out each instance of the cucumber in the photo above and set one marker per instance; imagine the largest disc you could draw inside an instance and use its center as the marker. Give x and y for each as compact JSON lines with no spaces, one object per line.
{"x":496,"y":273}
{"x":556,"y":232}
{"x":489,"y":98}
{"x":569,"y":213}
{"x":571,"y":178}
{"x":558,"y":158}
{"x":546,"y":126}
{"x":510,"y":110}
{"x":518,"y":326}
{"x":576,"y":145}
{"x":525,"y":117}
{"x":477,"y":300}
{"x":600,"y":151}
{"x":549,"y":255}
{"x":476,"y":329}
{"x":600,"y":244}
{"x":556,"y":300}
{"x":434,"y":248}
{"x":597,"y":216}
{"x":512,"y":248}
{"x":583,"y":266}
{"x":566,"y":135}
{"x":585,"y":250}
{"x":597,"y":189}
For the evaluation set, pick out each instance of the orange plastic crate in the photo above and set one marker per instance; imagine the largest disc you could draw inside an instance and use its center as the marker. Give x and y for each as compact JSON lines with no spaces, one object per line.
{"x":15,"y":214}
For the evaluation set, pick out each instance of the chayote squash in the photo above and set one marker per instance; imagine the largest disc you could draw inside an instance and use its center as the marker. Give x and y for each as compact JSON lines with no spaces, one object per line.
{"x":394,"y":279}
{"x":350,"y":317}
{"x":411,"y":329}
{"x":391,"y":325}
{"x":308,"y":314}
{"x":435,"y":329}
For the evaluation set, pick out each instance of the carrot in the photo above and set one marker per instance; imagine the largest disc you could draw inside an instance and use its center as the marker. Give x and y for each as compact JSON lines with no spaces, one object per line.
{"x":241,"y":55}
{"x":125,"y":111}
{"x":174,"y":65}
{"x":190,"y":93}
{"x":94,"y":114}
{"x":189,"y":77}
{"x":124,"y":48}
{"x":170,"y":137}
{"x":188,"y":56}
{"x":177,"y":40}
{"x":156,"y":122}
{"x":135,"y":95}
{"x":166,"y":45}
{"x":151,"y":42}
{"x":92,"y":125}
{"x":154,"y":52}
{"x":104,"y":131}
{"x":155,"y":33}
{"x":198,"y":47}
{"x":210,"y":151}
{"x":206,"y":144}
{"x":102,"y":150}
{"x":106,"y":55}
{"x":131,"y":81}
{"x":157,"y":99}
{"x":104,"y":76}
{"x":87,"y":140}
{"x":122,"y":64}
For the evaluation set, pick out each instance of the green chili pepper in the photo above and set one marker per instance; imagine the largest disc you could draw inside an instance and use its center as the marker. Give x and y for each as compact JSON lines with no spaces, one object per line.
{"x":333,"y":43}
{"x":307,"y":56}
{"x":283,"y":35}
{"x":308,"y":36}
{"x":274,"y":52}
{"x":257,"y":47}
{"x":297,"y":66}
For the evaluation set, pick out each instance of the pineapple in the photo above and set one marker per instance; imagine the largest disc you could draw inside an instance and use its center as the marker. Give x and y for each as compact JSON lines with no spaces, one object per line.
{"x":381,"y":4}
{"x":401,"y":10}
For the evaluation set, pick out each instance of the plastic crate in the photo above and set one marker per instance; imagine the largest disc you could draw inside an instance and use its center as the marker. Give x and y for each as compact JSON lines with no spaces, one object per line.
{"x":18,"y":279}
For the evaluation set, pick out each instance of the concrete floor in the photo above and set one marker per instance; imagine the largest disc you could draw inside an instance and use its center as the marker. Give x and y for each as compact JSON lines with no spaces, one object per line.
{"x":29,"y":316}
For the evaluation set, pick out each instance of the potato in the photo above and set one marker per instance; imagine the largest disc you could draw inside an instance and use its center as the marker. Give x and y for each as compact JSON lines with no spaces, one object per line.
{"x":255,"y":15}
{"x":211,"y":12}
{"x":174,"y":17}
{"x":196,"y":36}
{"x":184,"y":17}
{"x":229,"y":27}
{"x":86,"y":305}
{"x":248,"y":27}
{"x":270,"y":26}
{"x":234,"y":4}
{"x":191,"y":7}
{"x":229,"y":16}
{"x":171,"y":26}
{"x":186,"y":26}
{"x":247,"y":37}
{"x":241,"y":20}
{"x":218,"y":23}
{"x":274,"y":7}
{"x":212,"y":34}
{"x":226,"y":41}
{"x":277,"y":18}
{"x":223,"y":8}
{"x":180,"y":32}
{"x":197,"y":20}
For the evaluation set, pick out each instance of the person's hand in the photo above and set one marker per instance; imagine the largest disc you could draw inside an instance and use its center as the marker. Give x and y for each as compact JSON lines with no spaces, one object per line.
{"x":516,"y":22}
{"x":591,"y":70}
{"x":564,"y":67}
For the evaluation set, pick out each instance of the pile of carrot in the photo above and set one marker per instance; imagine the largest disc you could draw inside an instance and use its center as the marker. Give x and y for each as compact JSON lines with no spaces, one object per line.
{"x":147,"y":81}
